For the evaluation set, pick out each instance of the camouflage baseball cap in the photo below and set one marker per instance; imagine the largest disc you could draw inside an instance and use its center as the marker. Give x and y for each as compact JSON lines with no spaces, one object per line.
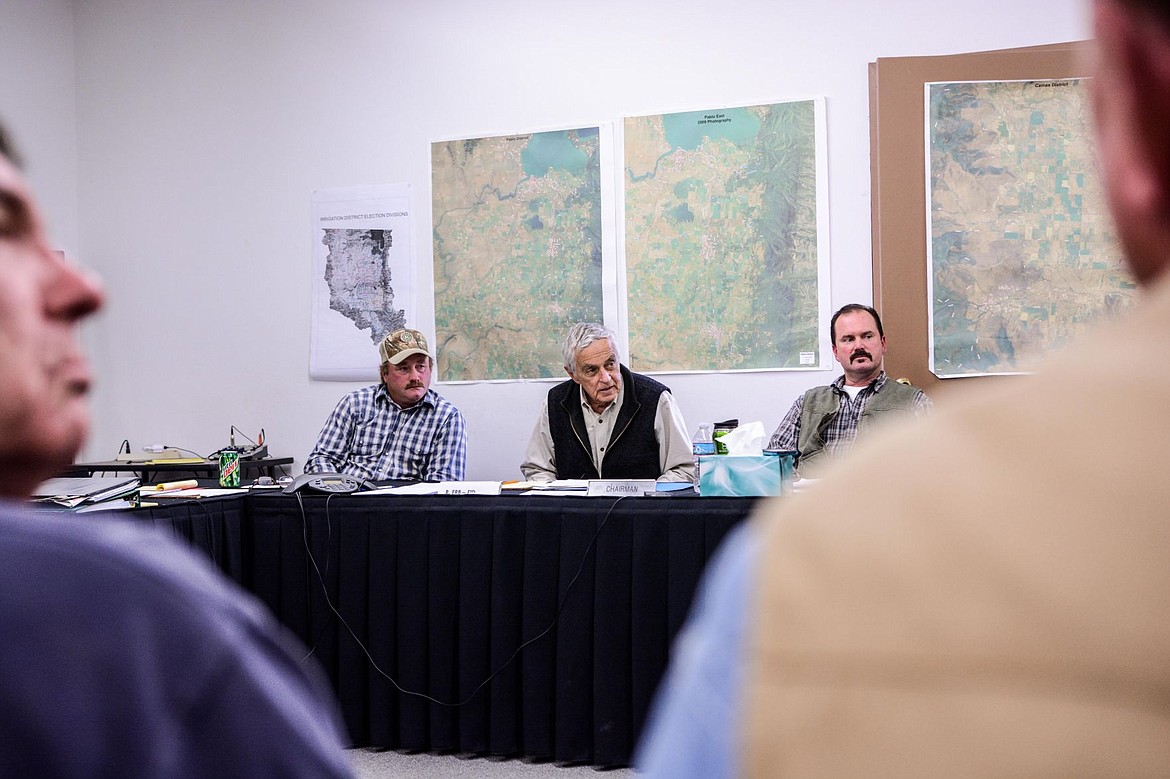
{"x":400,"y":344}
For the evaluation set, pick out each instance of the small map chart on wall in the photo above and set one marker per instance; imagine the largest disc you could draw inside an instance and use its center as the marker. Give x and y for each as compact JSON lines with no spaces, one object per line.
{"x":363,"y":277}
{"x":726,"y":243}
{"x":1021,"y":253}
{"x":517,"y":232}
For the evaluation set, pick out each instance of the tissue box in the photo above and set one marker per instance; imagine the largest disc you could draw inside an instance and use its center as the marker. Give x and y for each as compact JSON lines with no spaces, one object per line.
{"x":746,"y":475}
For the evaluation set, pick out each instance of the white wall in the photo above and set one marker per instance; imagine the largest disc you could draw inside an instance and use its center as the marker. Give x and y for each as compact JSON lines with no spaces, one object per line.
{"x":203,"y":127}
{"x":38,"y":108}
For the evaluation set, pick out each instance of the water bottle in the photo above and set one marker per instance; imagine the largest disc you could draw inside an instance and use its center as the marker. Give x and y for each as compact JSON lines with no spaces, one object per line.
{"x":701,"y":444}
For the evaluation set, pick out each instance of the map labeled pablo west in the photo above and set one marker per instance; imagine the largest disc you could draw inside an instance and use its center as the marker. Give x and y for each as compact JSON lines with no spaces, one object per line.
{"x":721,"y":240}
{"x":517,"y":250}
{"x":1022,"y":255}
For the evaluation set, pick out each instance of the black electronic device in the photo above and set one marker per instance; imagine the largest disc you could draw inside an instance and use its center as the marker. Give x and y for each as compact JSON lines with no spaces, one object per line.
{"x":338,"y":483}
{"x":254,"y":452}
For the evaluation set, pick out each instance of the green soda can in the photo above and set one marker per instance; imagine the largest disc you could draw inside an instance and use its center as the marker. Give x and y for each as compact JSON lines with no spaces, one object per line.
{"x":229,"y":468}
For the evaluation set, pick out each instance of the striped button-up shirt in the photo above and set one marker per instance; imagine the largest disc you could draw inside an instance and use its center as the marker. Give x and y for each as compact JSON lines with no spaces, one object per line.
{"x":370,"y":436}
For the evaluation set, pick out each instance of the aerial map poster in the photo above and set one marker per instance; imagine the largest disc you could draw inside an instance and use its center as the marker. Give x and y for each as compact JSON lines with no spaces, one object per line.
{"x":363,"y":277}
{"x":726,"y":249}
{"x":1021,"y":252}
{"x":517,"y":231}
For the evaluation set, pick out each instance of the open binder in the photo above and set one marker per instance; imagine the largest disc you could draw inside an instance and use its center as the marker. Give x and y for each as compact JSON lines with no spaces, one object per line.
{"x":73,"y":492}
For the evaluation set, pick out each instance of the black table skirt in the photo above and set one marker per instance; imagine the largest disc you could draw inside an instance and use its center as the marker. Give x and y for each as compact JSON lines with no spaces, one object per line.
{"x":441,"y":592}
{"x":214,"y":527}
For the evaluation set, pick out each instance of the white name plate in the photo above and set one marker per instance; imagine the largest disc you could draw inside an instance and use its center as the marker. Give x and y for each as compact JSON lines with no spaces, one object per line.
{"x":618,"y":487}
{"x":468,"y":488}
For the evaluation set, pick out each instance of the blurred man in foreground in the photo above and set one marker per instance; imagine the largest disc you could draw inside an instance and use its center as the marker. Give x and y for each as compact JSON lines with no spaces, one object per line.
{"x":984,"y":593}
{"x":120,"y":653}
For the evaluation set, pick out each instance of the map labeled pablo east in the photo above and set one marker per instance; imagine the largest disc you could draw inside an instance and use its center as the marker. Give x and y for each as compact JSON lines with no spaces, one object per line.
{"x":517,"y":236}
{"x":1022,"y":254}
{"x":723,"y":261}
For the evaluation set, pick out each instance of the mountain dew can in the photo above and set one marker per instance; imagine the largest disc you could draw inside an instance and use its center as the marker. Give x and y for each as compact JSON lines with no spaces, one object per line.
{"x":229,"y":468}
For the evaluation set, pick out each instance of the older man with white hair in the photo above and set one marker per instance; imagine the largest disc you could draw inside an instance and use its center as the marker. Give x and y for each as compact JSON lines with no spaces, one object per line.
{"x":607,"y":421}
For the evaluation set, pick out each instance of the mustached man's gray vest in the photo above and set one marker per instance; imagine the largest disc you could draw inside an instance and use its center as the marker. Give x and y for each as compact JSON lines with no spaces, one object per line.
{"x":821,"y":404}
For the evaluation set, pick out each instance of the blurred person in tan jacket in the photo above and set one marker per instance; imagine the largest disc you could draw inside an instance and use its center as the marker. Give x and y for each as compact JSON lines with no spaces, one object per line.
{"x":984,"y":593}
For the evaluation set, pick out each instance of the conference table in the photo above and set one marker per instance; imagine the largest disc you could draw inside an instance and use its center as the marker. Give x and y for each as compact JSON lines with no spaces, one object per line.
{"x":515,"y":625}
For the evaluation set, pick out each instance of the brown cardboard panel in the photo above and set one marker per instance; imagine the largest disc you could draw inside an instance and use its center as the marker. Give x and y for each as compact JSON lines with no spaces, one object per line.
{"x":898,"y":187}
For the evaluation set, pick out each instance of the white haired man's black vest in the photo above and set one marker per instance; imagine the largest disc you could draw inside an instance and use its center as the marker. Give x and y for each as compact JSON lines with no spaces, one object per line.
{"x":632,"y":451}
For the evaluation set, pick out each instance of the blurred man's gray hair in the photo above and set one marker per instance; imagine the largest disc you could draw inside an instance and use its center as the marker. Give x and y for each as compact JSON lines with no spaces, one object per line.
{"x":581,"y":336}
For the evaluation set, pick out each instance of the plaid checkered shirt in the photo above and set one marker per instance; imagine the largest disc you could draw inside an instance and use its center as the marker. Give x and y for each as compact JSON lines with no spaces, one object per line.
{"x":369,"y":436}
{"x":842,"y":430}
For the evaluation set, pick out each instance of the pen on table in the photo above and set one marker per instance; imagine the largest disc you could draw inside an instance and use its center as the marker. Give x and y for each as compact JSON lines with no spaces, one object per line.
{"x":186,"y":484}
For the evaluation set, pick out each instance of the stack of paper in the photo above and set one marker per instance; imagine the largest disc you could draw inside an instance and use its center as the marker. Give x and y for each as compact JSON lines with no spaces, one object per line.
{"x":439,"y":488}
{"x":558,"y":487}
{"x":73,"y":492}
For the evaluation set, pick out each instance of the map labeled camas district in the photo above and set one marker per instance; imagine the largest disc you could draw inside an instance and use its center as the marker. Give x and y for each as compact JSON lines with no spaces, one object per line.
{"x":1022,"y":253}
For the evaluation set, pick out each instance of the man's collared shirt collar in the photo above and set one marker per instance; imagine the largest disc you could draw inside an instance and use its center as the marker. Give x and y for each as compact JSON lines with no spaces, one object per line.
{"x":599,"y":427}
{"x":874,"y":385}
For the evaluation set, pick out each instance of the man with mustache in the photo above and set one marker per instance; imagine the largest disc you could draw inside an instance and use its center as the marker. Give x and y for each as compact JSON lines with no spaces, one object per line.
{"x":399,"y":429}
{"x":121,"y":653}
{"x":824,"y":422}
